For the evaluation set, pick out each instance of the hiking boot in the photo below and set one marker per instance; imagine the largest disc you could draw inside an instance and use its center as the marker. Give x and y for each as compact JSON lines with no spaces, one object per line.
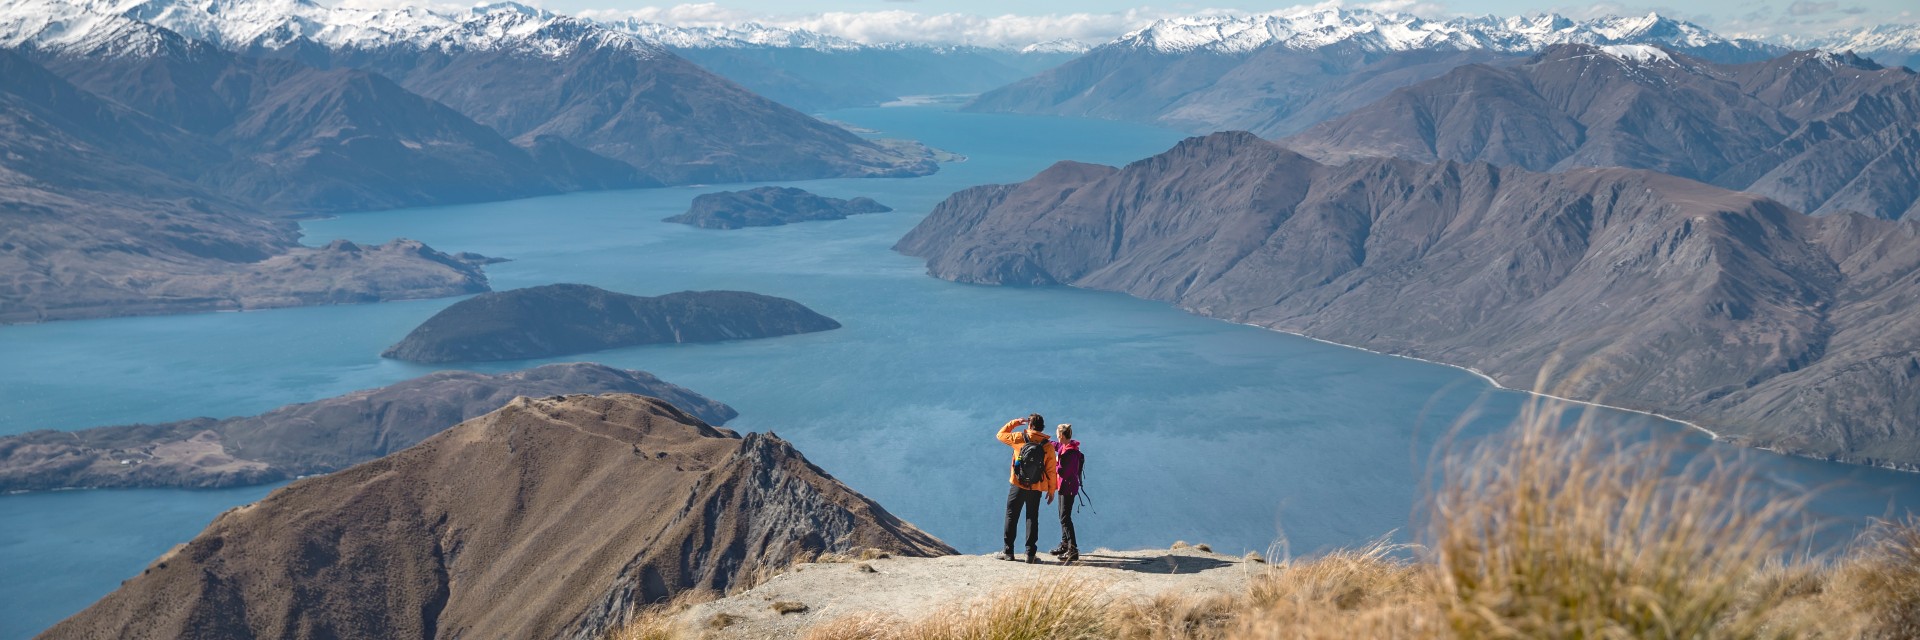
{"x":1072,"y":555}
{"x":1058,"y":550}
{"x":1033,"y":558}
{"x":1006,"y":554}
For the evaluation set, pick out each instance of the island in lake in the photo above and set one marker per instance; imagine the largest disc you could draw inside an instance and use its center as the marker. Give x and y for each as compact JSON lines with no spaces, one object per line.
{"x":769,"y":207}
{"x":560,"y":319}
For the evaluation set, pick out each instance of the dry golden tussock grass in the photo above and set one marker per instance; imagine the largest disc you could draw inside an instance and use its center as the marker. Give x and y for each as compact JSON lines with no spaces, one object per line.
{"x":660,"y":621}
{"x":1065,"y":609}
{"x":1551,"y":530}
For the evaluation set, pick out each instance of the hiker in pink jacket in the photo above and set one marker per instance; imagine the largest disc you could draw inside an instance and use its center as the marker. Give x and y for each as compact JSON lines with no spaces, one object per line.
{"x":1067,"y":452}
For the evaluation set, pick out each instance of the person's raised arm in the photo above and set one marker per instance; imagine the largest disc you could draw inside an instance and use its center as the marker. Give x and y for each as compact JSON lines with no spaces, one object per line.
{"x":1006,"y":433}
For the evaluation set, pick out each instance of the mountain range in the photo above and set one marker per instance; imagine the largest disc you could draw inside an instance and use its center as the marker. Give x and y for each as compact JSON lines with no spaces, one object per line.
{"x":158,"y":149}
{"x":1766,"y":325}
{"x":1276,"y":75}
{"x":1820,"y":132}
{"x":547,"y":518}
{"x":575,"y":83}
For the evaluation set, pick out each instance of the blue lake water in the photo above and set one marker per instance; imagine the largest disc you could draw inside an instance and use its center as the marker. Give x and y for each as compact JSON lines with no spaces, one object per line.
{"x":1195,"y":429}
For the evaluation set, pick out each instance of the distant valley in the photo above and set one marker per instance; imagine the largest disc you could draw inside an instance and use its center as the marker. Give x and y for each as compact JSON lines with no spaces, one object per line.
{"x":813,"y":71}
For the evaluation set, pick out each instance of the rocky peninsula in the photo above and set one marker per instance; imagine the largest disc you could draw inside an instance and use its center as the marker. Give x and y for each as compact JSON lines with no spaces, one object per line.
{"x":307,"y":438}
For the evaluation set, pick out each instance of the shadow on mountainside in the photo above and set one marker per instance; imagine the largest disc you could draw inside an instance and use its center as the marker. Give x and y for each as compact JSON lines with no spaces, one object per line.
{"x":1166,"y":564}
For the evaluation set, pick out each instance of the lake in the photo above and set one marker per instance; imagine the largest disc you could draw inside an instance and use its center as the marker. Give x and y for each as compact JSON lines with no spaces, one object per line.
{"x":1195,"y":429}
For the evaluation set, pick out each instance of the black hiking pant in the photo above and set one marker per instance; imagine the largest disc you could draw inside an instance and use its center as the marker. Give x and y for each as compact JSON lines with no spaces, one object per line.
{"x":1066,"y":523}
{"x":1028,"y":499}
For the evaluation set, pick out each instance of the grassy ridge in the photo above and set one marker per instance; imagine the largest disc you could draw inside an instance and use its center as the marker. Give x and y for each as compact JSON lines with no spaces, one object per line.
{"x":1548,"y":531}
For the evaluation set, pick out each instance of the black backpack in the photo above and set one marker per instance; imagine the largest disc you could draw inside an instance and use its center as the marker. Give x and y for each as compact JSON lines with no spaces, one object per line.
{"x":1032,"y":465}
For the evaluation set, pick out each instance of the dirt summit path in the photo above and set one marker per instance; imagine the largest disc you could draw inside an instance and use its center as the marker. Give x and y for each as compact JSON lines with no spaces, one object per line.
{"x":913,"y":588}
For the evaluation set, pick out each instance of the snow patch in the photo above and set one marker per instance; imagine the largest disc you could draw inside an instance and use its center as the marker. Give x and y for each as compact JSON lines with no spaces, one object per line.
{"x":1641,"y":53}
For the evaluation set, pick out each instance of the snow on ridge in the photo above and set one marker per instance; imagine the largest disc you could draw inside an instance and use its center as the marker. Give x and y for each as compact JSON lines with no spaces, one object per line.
{"x":60,"y":26}
{"x":1884,"y":37}
{"x":1388,"y":31}
{"x":273,"y":24}
{"x":1060,"y":45}
{"x":1641,"y":53}
{"x":744,"y":35}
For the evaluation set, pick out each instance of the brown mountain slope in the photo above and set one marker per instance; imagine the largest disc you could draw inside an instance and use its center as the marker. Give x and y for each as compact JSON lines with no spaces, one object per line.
{"x":301,"y":139}
{"x":546,"y":518}
{"x":675,"y":121}
{"x":1673,"y":296}
{"x":1821,"y":133}
{"x":306,"y":438}
{"x":93,"y":224}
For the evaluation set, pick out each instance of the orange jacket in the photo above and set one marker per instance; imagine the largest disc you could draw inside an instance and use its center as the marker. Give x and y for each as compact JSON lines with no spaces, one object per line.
{"x":1017,"y":439}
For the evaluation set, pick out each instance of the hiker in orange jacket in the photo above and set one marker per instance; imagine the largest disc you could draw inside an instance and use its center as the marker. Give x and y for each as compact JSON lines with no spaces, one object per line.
{"x":1026,"y":495}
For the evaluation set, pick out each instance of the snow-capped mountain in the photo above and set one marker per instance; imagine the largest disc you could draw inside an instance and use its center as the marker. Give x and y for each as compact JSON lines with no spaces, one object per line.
{"x":1905,"y":37}
{"x":80,"y":29}
{"x":1060,"y":45}
{"x":77,"y":26}
{"x":741,"y":36}
{"x":1376,"y":31}
{"x":1895,"y":44}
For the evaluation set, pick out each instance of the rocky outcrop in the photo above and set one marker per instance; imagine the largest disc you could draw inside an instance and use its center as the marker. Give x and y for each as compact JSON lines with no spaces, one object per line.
{"x":770,"y":206}
{"x":561,"y":319}
{"x":547,"y":518}
{"x":304,"y":439}
{"x":1819,"y":132}
{"x":1652,"y":292}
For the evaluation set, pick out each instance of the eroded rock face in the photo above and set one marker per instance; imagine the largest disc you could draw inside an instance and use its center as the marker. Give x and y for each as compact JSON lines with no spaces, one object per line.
{"x":563,"y":319}
{"x":1655,"y":293}
{"x":547,"y":518}
{"x":307,"y":438}
{"x":770,"y":206}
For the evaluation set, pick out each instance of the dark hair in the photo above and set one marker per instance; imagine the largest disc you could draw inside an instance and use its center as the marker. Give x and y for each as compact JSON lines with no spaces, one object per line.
{"x":1036,"y":423}
{"x":1066,"y":432}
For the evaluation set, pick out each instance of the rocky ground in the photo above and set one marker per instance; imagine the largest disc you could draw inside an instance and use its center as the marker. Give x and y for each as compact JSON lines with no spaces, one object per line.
{"x":912,"y":588}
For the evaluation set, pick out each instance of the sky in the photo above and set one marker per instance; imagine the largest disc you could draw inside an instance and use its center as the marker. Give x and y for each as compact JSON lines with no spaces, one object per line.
{"x":1020,"y":22}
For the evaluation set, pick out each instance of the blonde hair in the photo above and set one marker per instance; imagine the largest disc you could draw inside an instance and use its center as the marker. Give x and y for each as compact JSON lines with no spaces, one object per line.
{"x":1066,"y":432}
